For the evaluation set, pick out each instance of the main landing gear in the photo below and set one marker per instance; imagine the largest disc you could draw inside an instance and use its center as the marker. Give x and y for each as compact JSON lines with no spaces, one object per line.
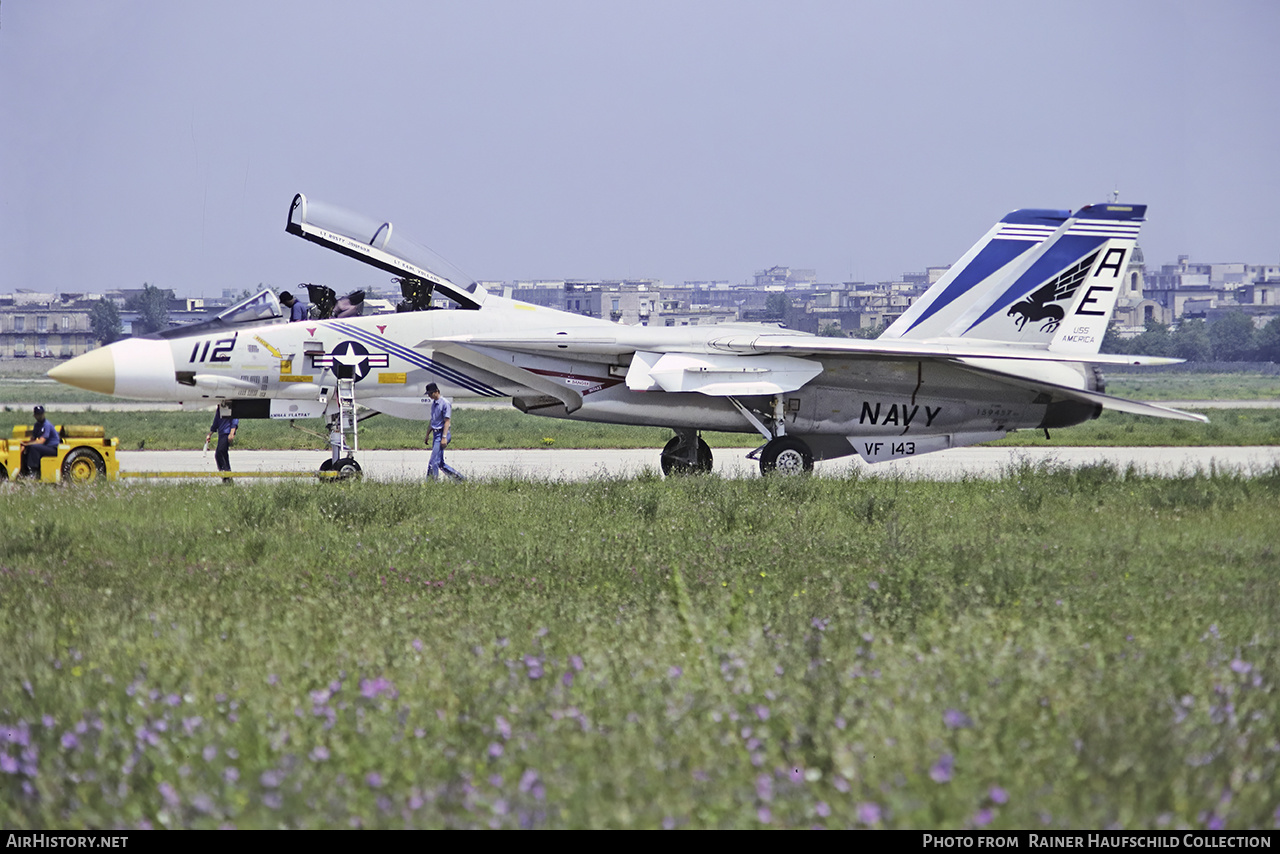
{"x":686,"y":453}
{"x":781,"y":454}
{"x":785,"y":455}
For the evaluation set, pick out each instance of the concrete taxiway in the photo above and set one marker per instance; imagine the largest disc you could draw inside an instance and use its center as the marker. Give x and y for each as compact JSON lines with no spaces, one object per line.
{"x":580,"y":465}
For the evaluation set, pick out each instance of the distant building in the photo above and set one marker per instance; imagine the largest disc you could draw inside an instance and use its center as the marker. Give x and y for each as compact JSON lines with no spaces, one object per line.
{"x":44,"y":326}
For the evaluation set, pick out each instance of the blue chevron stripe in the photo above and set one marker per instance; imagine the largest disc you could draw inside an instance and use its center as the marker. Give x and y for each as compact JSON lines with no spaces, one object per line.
{"x":449,"y":375}
{"x":993,"y":256}
{"x":1068,"y":250}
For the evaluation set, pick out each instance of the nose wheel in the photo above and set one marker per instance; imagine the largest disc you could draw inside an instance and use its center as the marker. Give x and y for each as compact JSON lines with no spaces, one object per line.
{"x":344,"y":469}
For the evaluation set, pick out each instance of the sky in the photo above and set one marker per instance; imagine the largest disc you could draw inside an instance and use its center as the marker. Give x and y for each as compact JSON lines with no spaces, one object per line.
{"x":162,"y":142}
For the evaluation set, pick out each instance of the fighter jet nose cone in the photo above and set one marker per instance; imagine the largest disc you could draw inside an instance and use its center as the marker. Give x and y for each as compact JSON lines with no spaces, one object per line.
{"x":94,"y":371}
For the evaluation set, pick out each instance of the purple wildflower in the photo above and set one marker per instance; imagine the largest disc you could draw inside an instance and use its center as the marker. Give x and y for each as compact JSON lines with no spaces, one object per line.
{"x":567,"y":679}
{"x":527,"y":779}
{"x":765,"y":815}
{"x":495,"y":750}
{"x":319,"y":753}
{"x":675,"y":672}
{"x":417,"y":645}
{"x":956,"y":719}
{"x":762,"y":712}
{"x":371,"y":688}
{"x":575,"y":661}
{"x":982,"y":818}
{"x":998,"y":795}
{"x":1215,"y":822}
{"x":271,"y":778}
{"x":8,"y":764}
{"x":169,"y":794}
{"x":764,"y":787}
{"x":869,"y":813}
{"x":1241,"y":667}
{"x":941,"y":770}
{"x":69,"y":741}
{"x":841,"y":784}
{"x":822,"y":809}
{"x":231,"y":774}
{"x":797,"y":776}
{"x":48,"y":721}
{"x":374,"y":779}
{"x":273,"y":679}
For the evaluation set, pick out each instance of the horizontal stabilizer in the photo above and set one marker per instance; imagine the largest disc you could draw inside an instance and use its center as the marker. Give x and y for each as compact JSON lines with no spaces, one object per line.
{"x":1106,"y":401}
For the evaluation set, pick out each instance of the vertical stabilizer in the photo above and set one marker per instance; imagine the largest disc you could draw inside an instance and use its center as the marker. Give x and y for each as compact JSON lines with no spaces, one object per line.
{"x":991,"y":260}
{"x":1058,"y":293}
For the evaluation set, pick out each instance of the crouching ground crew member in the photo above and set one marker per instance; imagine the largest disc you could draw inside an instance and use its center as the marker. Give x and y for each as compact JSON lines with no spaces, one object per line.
{"x":43,"y":443}
{"x":226,"y":429}
{"x":438,"y":438}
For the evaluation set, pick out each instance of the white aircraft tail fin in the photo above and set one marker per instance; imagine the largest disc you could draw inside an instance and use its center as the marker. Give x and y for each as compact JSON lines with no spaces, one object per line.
{"x":1039,"y":278}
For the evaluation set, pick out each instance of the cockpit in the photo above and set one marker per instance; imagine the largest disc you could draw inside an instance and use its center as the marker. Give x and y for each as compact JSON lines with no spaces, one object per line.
{"x":261,"y":308}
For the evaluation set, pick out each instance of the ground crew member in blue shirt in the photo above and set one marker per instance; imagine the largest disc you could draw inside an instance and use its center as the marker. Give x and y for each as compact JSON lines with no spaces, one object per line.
{"x":297,"y":308}
{"x":226,"y":429}
{"x":438,"y":438}
{"x":43,"y":443}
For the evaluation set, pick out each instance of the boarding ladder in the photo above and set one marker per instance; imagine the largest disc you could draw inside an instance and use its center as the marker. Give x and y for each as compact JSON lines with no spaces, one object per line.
{"x":343,"y":438}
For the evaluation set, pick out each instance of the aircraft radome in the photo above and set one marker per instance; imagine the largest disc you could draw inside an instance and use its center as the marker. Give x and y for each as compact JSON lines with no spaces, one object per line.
{"x":1007,"y":340}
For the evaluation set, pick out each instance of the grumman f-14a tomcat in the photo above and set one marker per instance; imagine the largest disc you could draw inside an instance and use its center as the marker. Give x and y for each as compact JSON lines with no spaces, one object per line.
{"x":1007,"y":339}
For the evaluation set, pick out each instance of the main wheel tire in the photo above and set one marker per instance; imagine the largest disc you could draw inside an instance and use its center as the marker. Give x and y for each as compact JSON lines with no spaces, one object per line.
{"x":83,"y":465}
{"x":786,"y":456}
{"x":4,"y":474}
{"x":673,"y":464}
{"x":347,"y":468}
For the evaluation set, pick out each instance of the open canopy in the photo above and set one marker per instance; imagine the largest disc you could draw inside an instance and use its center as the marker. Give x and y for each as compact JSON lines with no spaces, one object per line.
{"x":378,"y":244}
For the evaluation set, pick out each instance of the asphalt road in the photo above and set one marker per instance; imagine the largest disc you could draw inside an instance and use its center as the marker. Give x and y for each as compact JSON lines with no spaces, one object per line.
{"x":579,"y":465}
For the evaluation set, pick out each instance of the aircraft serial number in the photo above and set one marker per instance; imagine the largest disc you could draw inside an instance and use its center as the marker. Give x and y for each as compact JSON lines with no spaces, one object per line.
{"x":896,"y":448}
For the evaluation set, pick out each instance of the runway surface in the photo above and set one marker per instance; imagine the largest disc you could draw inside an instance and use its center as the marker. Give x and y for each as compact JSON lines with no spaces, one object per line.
{"x":580,"y":465}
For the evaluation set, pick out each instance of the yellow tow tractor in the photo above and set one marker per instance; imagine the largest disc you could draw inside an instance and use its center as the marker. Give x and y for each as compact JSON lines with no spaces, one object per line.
{"x":85,"y":455}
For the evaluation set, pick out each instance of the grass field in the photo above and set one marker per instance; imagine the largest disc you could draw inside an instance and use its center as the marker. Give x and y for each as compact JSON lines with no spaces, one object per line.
{"x":1056,"y":649}
{"x":1169,"y":385}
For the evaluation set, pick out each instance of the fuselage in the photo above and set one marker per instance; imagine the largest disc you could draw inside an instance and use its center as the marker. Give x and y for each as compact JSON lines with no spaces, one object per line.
{"x":289,"y":370}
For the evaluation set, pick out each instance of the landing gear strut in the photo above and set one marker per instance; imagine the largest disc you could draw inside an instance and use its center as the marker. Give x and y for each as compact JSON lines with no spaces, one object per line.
{"x":686,"y":453}
{"x":781,"y":454}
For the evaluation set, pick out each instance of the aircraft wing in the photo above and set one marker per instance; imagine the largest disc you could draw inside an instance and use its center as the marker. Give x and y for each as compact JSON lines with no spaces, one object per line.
{"x":754,"y":363}
{"x":608,"y":342}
